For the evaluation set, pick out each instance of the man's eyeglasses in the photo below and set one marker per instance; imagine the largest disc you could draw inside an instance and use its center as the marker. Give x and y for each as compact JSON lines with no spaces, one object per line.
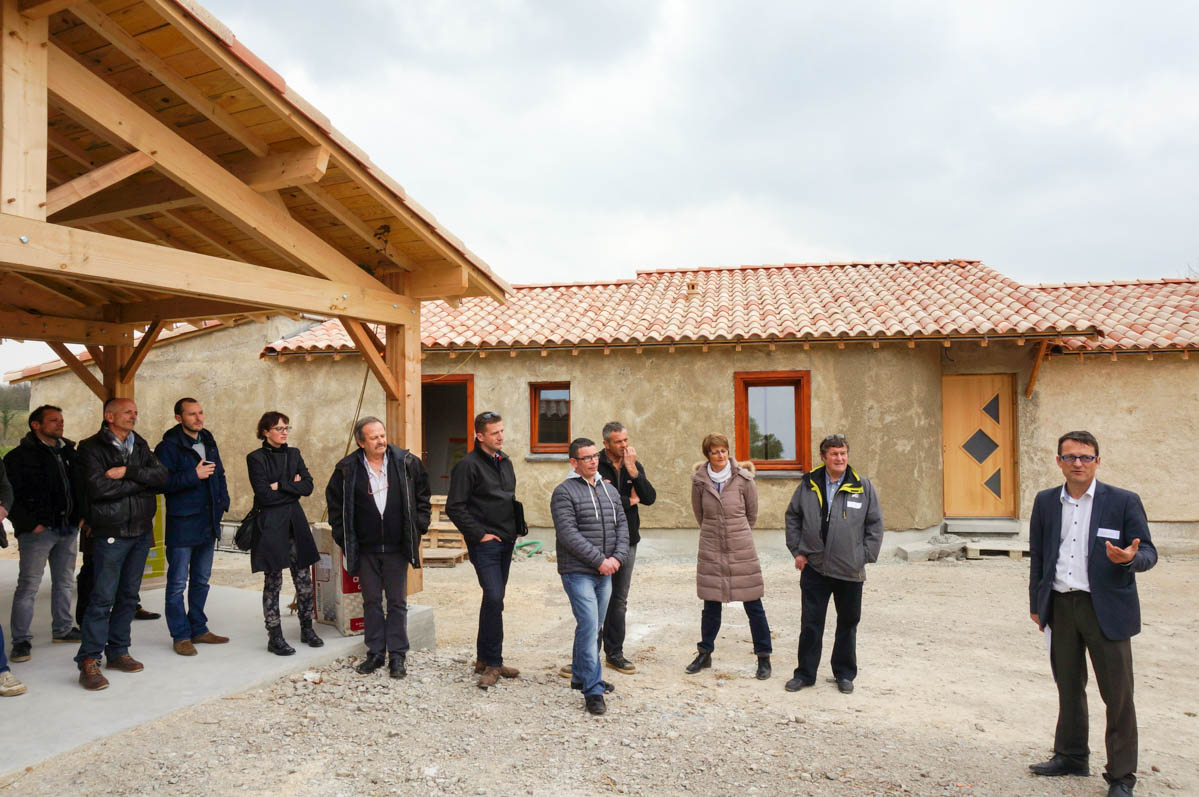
{"x":281,"y":428}
{"x":1085,"y":459}
{"x":588,"y":458}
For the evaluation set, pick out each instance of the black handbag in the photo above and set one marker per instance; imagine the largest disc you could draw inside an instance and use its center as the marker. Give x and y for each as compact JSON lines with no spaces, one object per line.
{"x":243,"y":538}
{"x":518,"y":511}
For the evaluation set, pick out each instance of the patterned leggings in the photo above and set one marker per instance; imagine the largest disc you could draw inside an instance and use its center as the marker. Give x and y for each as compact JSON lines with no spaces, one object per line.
{"x":272,"y":582}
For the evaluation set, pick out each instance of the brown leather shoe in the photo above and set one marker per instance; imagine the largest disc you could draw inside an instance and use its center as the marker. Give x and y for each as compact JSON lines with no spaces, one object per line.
{"x":90,"y":677}
{"x":209,"y":638}
{"x":184,"y":648}
{"x":125,"y":663}
{"x":489,"y":677}
{"x":505,"y":672}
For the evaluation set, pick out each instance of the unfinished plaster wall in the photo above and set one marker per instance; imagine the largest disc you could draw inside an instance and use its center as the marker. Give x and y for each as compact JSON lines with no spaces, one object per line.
{"x":886,"y":400}
{"x":1143,"y":414}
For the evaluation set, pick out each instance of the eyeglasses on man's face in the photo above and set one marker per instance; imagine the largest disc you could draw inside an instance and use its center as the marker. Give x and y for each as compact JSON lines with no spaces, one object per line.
{"x":1070,"y":459}
{"x":588,"y":458}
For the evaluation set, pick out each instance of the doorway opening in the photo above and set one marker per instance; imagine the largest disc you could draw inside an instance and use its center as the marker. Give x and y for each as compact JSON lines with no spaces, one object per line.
{"x":447,"y":418}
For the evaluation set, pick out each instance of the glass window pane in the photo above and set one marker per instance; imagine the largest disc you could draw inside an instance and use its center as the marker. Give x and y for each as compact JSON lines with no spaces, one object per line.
{"x":553,"y":415}
{"x":772,"y":422}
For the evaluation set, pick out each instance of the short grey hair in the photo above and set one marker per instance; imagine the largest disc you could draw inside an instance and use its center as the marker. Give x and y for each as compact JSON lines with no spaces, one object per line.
{"x":360,"y":427}
{"x":611,"y":428}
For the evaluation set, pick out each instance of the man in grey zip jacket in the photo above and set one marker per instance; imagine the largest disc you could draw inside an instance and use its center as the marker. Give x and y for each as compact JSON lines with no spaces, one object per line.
{"x":834,"y":528}
{"x":592,"y":536}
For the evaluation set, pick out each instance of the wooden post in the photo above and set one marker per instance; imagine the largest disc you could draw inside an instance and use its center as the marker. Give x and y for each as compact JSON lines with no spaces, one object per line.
{"x":401,"y":353}
{"x":113,"y":360}
{"x":23,"y":112}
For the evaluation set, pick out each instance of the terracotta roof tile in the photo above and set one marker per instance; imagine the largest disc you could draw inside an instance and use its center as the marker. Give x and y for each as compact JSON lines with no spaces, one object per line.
{"x":1145,"y":314}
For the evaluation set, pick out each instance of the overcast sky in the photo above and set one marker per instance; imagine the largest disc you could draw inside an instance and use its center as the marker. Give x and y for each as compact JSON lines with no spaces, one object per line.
{"x":581,"y":141}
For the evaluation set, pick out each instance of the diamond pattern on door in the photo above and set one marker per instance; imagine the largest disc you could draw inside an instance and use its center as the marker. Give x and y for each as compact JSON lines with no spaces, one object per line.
{"x":994,"y":483}
{"x":980,"y":446}
{"x":992,"y":408}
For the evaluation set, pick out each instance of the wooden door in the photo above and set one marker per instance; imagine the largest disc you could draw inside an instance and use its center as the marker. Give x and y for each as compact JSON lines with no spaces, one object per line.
{"x":978,"y":445}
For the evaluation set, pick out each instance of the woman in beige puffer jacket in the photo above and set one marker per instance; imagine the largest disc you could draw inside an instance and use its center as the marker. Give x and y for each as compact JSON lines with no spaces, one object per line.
{"x":725,"y":501}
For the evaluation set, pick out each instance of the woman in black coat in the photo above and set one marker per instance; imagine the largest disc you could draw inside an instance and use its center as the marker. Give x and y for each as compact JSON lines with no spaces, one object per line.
{"x":282,"y":538}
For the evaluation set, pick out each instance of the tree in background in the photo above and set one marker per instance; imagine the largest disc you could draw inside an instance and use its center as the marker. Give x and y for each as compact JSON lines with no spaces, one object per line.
{"x":14,"y":408}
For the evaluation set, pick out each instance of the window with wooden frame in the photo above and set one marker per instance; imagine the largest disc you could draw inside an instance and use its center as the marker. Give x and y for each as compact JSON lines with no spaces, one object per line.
{"x":549,"y":410}
{"x":772,"y":419}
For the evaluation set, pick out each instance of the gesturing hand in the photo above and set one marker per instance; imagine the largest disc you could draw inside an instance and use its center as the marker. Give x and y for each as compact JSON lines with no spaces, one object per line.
{"x":1123,"y":556}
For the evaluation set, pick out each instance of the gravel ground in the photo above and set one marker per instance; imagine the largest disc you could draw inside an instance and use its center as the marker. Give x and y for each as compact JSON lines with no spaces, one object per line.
{"x":954,"y":697}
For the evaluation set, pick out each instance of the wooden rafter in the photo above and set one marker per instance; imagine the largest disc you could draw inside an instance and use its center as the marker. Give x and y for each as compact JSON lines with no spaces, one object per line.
{"x":155,"y":234}
{"x":285,"y":169}
{"x":80,"y":370}
{"x":363,"y":230}
{"x":27,"y":294}
{"x":41,"y":9}
{"x":96,"y":180}
{"x":111,"y":205}
{"x":148,"y":60}
{"x":207,"y":234}
{"x":82,"y":255}
{"x":188,"y":166}
{"x":180,"y":308}
{"x":23,"y":109}
{"x":69,"y":148}
{"x":374,"y":359}
{"x":129,"y":368}
{"x":29,"y":326}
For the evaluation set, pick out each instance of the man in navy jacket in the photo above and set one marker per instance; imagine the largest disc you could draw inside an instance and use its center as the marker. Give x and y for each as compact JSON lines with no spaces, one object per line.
{"x":1087,"y":540}
{"x":196,"y":498}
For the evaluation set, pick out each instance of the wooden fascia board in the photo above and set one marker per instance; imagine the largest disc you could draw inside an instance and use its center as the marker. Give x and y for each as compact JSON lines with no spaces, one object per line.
{"x":59,"y":251}
{"x":221,"y":50}
{"x":180,"y":308}
{"x":96,"y":181}
{"x":80,"y":370}
{"x":121,"y":203}
{"x":31,"y":326}
{"x":284,"y":170}
{"x":150,"y":61}
{"x":80,"y":88}
{"x":374,"y":360}
{"x":24,"y":113}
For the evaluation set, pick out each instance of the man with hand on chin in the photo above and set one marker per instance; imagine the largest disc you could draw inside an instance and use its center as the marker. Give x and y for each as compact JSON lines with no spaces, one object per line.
{"x":1087,"y":594}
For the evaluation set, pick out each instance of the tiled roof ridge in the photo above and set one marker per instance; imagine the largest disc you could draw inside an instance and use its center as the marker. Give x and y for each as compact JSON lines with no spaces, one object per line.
{"x":828,"y":264}
{"x":1116,"y":283}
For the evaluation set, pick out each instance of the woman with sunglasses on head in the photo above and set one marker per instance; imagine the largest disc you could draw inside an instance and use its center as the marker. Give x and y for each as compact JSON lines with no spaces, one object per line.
{"x":282,"y":539}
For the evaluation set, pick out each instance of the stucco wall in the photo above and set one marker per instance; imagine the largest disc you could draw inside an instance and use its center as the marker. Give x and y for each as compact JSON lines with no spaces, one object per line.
{"x":887,"y":401}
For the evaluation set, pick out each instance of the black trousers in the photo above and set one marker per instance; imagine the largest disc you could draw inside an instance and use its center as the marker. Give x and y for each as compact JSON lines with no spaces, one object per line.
{"x":379,"y":573}
{"x":815,"y":590}
{"x":1075,"y":633}
{"x":612,"y":632}
{"x":492,"y":561}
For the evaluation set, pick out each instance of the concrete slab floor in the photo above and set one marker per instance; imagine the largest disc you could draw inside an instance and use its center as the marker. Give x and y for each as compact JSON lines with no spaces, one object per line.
{"x":56,"y":714}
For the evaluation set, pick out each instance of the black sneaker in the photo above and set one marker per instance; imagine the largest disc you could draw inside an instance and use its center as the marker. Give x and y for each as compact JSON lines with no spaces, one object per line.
{"x":608,"y":688}
{"x":74,"y":635}
{"x":595,"y":704}
{"x":621,"y":664}
{"x":20,"y":651}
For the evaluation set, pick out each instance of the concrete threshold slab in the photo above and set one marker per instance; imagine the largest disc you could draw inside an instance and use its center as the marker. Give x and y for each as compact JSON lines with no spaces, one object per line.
{"x":57,"y":715}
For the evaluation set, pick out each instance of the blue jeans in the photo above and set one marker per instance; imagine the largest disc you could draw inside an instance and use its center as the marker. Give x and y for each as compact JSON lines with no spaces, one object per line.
{"x":759,"y":629}
{"x":188,"y":567}
{"x":3,"y":658}
{"x":56,"y":545}
{"x":492,"y":560}
{"x":118,"y":563}
{"x":589,"y":594}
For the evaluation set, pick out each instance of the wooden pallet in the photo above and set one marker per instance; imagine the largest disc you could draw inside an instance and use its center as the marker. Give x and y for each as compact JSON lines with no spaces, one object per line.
{"x":443,"y":557}
{"x":982,"y":549}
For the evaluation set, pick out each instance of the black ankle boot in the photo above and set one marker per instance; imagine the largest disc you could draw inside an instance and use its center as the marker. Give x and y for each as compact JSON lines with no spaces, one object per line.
{"x":309,"y":637}
{"x":763,"y":667}
{"x":702,"y":662}
{"x":277,"y":644}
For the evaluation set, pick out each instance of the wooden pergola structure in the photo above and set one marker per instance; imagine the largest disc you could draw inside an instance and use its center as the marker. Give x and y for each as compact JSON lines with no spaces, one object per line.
{"x":153,"y":170}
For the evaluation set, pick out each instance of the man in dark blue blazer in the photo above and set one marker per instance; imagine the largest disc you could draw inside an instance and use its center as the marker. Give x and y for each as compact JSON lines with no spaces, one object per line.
{"x":1087,"y":540}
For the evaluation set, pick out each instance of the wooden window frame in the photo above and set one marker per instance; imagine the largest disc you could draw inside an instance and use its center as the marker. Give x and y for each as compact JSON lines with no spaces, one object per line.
{"x":535,"y":389}
{"x":802,"y":382}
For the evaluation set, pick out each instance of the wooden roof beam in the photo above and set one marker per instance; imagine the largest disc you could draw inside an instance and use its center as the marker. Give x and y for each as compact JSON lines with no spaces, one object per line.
{"x":436,"y":282}
{"x":80,"y":370}
{"x":81,"y":255}
{"x":209,"y":235}
{"x":91,"y":96}
{"x":28,"y":326}
{"x":140,"y":351}
{"x":375,"y":238}
{"x":374,"y":360}
{"x":24,"y":113}
{"x":27,"y":294}
{"x":41,"y":9}
{"x":285,"y":169}
{"x":120,"y":202}
{"x":180,"y":308}
{"x":148,"y":60}
{"x":96,"y":180}
{"x":69,"y":148}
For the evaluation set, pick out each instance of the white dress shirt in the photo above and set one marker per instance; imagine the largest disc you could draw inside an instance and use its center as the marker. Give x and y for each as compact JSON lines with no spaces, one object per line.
{"x":1071,"y":572}
{"x":378,"y":483}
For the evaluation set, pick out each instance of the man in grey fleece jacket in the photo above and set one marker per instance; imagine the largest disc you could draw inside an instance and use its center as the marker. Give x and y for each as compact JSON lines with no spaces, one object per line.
{"x":834,"y":527}
{"x":592,"y":543}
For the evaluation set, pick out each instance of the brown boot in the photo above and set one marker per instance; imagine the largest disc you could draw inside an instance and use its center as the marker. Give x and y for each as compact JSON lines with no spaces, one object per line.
{"x":210,"y":638}
{"x":90,"y":677}
{"x":505,"y":672}
{"x":184,"y":647}
{"x":489,"y":677}
{"x":125,"y":663}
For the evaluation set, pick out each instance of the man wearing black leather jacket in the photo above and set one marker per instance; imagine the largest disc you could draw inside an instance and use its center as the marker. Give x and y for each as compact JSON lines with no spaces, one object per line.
{"x":120,"y":477}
